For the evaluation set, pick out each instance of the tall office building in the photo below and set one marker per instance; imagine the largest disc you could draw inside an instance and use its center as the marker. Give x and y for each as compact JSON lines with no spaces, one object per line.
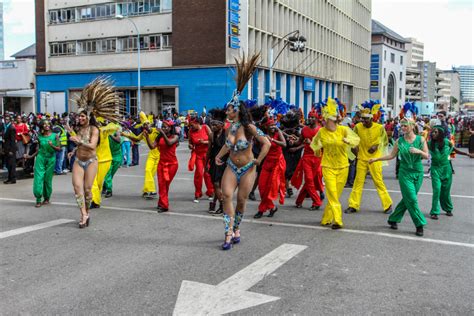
{"x":415,"y":52}
{"x":387,"y":68}
{"x":466,"y":75}
{"x":450,"y":91}
{"x":187,"y":50}
{"x":2,"y":48}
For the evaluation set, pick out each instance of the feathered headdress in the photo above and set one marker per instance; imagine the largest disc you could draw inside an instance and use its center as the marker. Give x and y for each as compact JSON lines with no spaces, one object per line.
{"x":409,"y":111}
{"x":277,"y":107}
{"x":143,"y":119}
{"x":370,"y":108}
{"x":101,"y":99}
{"x":245,"y":68}
{"x":330,"y":109}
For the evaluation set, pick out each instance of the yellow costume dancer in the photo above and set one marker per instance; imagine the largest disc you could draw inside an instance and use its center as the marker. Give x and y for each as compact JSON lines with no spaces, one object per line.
{"x":336,"y":141}
{"x":149,"y":187}
{"x":104,"y":157}
{"x":373,"y":142}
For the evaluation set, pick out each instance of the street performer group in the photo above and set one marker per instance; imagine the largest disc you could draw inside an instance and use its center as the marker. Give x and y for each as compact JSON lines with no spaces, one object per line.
{"x":243,"y":146}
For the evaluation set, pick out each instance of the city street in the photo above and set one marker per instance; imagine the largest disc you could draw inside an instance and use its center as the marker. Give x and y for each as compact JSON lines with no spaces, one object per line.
{"x":132,"y":260}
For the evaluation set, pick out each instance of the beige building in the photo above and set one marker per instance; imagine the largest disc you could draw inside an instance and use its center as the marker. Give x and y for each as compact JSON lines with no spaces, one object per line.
{"x":450,"y":91}
{"x":415,"y":52}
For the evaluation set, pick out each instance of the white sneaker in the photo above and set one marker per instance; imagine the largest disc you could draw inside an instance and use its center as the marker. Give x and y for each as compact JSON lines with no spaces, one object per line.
{"x":196,"y":200}
{"x":211,"y":198}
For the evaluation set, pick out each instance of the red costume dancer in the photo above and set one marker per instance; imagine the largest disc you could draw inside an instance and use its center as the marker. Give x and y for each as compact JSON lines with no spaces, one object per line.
{"x":168,"y":165}
{"x":198,"y":143}
{"x":271,"y":183}
{"x":309,"y":167}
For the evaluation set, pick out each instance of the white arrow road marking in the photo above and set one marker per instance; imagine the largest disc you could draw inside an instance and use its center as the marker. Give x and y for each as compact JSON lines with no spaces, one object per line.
{"x":231,"y":294}
{"x":28,"y":229}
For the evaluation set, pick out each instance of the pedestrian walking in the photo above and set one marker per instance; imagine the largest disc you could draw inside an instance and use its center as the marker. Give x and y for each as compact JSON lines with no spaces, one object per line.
{"x":117,"y":157}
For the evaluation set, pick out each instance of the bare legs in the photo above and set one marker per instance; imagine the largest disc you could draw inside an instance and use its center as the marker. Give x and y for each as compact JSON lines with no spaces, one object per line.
{"x":82,"y":181}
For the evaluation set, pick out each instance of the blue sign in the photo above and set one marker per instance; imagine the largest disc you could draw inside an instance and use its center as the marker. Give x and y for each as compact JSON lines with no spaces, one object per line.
{"x":234,"y":17}
{"x":374,"y":71}
{"x":309,"y":84}
{"x":374,"y":89}
{"x":374,"y":58}
{"x":234,"y":5}
{"x":234,"y":42}
{"x":374,"y":77}
{"x":374,"y":65}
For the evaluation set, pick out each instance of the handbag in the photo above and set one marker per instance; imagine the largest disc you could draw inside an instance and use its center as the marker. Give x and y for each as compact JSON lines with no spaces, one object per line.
{"x":25,"y":138}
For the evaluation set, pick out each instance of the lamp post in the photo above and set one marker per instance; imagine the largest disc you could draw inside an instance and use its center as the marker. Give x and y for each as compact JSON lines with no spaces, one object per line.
{"x":139,"y":94}
{"x":297,"y":44}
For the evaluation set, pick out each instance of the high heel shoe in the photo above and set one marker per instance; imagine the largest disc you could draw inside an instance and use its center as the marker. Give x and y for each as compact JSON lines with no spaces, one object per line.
{"x":84,"y":224}
{"x":236,"y":239}
{"x":227,"y":245}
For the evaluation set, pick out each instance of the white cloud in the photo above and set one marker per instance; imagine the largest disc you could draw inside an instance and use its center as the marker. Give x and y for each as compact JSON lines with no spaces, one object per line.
{"x":19,"y":25}
{"x":444,"y":26}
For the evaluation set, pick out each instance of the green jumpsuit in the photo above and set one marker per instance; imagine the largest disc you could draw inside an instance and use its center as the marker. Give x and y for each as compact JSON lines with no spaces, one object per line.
{"x":411,"y":178}
{"x":117,"y":158}
{"x":44,"y":168}
{"x":441,"y":178}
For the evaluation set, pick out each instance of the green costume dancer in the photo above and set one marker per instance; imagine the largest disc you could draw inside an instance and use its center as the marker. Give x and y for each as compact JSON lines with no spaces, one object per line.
{"x":411,"y":149}
{"x":441,"y":174}
{"x":44,"y":163}
{"x":117,"y":158}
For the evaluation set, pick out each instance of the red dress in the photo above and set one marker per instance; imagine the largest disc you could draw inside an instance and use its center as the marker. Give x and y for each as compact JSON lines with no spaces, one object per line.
{"x":167,"y":168}
{"x":271,"y":183}
{"x":198,"y":160}
{"x":309,"y":169}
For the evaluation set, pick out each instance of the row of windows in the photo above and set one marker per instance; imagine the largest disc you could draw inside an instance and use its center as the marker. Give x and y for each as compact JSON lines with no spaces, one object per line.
{"x":110,"y":45}
{"x":392,"y":57}
{"x":108,"y":10}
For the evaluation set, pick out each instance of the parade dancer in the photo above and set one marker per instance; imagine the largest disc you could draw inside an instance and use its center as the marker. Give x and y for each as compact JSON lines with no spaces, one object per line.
{"x":309,"y":167}
{"x":272,"y":184}
{"x":98,"y":99}
{"x":117,"y":158}
{"x":149,"y":188}
{"x":48,"y":146}
{"x":240,"y":171}
{"x":373,"y":142}
{"x":411,"y":149}
{"x":104,"y":157}
{"x":289,"y":125}
{"x":199,"y":143}
{"x":336,"y":142}
{"x":216,"y":143}
{"x":167,"y":141}
{"x":440,"y":149}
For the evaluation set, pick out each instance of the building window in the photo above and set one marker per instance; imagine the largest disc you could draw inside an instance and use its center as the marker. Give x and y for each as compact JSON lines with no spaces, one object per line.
{"x":383,"y":92}
{"x":385,"y":55}
{"x":400,"y":93}
{"x":392,"y":58}
{"x":401,"y":76}
{"x":107,"y":45}
{"x":391,"y":90}
{"x":133,"y":103}
{"x":401,"y":60}
{"x":167,"y":41}
{"x":62,"y":49}
{"x":384,"y":72}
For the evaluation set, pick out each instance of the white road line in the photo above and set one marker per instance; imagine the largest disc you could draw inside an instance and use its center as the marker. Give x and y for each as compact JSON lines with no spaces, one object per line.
{"x":32,"y":228}
{"x":264,"y":222}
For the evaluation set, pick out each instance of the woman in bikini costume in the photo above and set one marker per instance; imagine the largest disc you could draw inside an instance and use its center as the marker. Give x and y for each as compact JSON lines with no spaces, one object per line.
{"x":98,"y":100}
{"x":85,"y":164}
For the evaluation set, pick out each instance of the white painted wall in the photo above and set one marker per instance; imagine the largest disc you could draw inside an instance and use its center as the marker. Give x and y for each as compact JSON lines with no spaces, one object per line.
{"x":17,"y":74}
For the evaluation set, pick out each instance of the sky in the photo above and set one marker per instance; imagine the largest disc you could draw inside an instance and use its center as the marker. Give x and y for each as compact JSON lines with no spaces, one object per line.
{"x":446,"y":27}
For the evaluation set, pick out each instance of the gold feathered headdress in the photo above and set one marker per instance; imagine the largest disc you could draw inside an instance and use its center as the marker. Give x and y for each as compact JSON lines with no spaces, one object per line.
{"x":245,"y":69}
{"x":101,"y":99}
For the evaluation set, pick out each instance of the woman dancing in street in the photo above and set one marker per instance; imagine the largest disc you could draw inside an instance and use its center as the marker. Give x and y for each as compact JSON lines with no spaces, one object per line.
{"x":216,"y":142}
{"x":48,"y":145}
{"x":336,"y":141}
{"x":167,"y":141}
{"x":411,"y":149}
{"x":98,"y":99}
{"x":441,"y":174}
{"x":240,"y":171}
{"x":271,"y":183}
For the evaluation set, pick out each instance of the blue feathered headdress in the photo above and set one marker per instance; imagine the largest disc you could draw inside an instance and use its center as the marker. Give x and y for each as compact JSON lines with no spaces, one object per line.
{"x":278,"y":106}
{"x":409,"y":110}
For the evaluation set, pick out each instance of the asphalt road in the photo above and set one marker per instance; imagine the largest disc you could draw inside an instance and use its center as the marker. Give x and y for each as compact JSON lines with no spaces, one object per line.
{"x":132,"y":260}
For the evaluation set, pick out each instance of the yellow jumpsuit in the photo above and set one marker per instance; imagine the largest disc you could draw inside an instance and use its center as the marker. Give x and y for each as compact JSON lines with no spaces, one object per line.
{"x":151,"y":162}
{"x":375,"y":135}
{"x":104,"y":157}
{"x":335,"y":165}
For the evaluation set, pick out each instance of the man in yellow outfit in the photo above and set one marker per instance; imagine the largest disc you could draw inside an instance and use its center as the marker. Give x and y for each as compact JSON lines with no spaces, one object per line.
{"x":373,"y":141}
{"x":149,"y":187}
{"x":104,"y":157}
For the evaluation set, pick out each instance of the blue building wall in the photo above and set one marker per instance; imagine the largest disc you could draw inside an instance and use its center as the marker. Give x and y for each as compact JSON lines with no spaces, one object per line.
{"x":211,"y":87}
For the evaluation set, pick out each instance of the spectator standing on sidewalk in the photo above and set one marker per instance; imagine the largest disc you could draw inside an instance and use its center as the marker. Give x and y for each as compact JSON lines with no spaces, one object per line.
{"x":10,"y":150}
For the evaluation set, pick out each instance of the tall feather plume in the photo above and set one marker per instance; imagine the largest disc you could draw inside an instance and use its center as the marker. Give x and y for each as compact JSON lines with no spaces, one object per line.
{"x":245,"y":68}
{"x":101,"y":99}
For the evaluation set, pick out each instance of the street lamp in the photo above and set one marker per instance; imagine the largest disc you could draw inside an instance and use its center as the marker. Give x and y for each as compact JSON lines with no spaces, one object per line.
{"x":139,"y":94}
{"x":297,"y":44}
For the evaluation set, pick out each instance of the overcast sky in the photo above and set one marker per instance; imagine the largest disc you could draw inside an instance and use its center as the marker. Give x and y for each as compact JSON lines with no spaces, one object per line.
{"x":444,"y":26}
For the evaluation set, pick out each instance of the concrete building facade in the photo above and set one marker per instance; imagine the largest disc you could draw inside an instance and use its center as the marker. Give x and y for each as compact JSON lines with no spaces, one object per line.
{"x":2,"y":44}
{"x":423,"y":86}
{"x":450,"y":88}
{"x":17,"y":83}
{"x":388,"y":68}
{"x":415,"y":52}
{"x":187,"y":50}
